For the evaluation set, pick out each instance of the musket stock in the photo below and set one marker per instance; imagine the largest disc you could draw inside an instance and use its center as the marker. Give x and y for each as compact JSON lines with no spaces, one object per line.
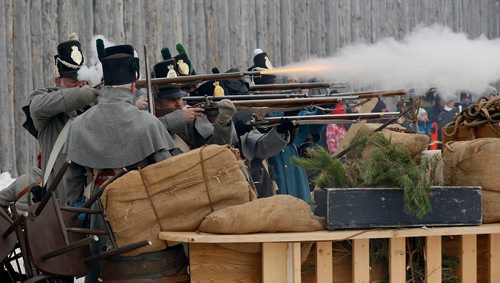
{"x":197,"y":78}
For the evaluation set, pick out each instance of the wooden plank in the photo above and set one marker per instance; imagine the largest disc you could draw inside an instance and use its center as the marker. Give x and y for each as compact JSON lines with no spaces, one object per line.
{"x":433,"y":256}
{"x":296,"y":262}
{"x":361,"y":261}
{"x":211,"y":262}
{"x":494,"y":260}
{"x":324,"y":260}
{"x":189,"y":237}
{"x":468,"y":259}
{"x":397,"y":260}
{"x":274,"y":267}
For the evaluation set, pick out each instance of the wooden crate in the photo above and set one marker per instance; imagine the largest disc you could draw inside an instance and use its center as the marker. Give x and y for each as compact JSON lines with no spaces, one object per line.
{"x":359,"y":208}
{"x":465,"y":134}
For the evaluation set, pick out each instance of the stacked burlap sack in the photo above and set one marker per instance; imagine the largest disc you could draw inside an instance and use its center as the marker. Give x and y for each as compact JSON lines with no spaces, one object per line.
{"x":204,"y":189}
{"x":476,"y":163}
{"x":174,"y":195}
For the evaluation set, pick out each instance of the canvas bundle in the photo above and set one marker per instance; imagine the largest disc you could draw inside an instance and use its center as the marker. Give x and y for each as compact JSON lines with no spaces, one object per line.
{"x":174,"y":195}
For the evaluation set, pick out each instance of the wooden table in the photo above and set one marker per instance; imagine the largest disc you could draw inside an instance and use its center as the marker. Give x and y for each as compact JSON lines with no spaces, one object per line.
{"x":280,"y":253}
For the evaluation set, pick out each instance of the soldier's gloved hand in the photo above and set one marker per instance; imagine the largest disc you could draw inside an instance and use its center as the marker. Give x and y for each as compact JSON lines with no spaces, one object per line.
{"x":286,"y":125}
{"x":226,"y":111}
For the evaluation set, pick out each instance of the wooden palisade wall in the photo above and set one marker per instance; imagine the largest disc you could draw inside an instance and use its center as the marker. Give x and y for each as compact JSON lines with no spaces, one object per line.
{"x":216,"y":33}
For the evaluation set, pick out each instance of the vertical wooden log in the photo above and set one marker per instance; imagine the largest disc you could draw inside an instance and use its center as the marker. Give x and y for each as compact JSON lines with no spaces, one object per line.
{"x":190,"y":36}
{"x":211,"y":15}
{"x":261,"y":23}
{"x":361,"y":261}
{"x":237,"y":39}
{"x":433,"y":256}
{"x":223,"y":37}
{"x":248,"y":11}
{"x":23,"y":83}
{"x":115,"y":9}
{"x":200,"y":55}
{"x":286,"y":22}
{"x":324,"y":260}
{"x":468,"y":259}
{"x":8,"y":156}
{"x":50,"y":40}
{"x":37,"y":43}
{"x":273,"y":31}
{"x":301,"y":28}
{"x":344,"y":14}
{"x":332,"y":28}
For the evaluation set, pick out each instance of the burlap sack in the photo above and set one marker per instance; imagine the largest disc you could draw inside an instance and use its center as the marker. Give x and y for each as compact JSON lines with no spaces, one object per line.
{"x":475,"y":163}
{"x":174,"y":195}
{"x":415,"y":143}
{"x":491,"y":206}
{"x":281,"y":213}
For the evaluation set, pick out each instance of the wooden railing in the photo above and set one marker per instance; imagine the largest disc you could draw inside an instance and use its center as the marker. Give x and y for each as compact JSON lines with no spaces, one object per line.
{"x":281,"y":258}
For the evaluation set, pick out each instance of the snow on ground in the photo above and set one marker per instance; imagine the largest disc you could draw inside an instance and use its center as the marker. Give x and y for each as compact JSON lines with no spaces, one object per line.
{"x":5,"y":180}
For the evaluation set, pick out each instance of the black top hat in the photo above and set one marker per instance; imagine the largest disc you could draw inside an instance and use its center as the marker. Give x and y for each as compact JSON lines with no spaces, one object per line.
{"x":69,"y":58}
{"x":166,"y":69}
{"x":235,"y":86}
{"x":261,"y":62}
{"x":119,"y":65}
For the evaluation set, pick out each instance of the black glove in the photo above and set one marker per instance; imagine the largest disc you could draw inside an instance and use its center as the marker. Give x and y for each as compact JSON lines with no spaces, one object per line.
{"x":286,"y":125}
{"x":242,"y":127}
{"x":37,"y":193}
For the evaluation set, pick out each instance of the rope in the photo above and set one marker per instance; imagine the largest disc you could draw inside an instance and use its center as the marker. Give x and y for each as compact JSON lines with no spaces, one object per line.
{"x":205,"y":177}
{"x":484,"y":112}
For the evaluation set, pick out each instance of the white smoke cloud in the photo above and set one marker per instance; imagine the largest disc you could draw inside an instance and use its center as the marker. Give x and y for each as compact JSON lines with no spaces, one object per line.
{"x":432,"y":56}
{"x":92,"y":72}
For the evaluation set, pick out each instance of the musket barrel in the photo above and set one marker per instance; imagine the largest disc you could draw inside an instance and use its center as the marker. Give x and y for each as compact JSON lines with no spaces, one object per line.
{"x":197,"y":78}
{"x":289,"y":86}
{"x":328,"y":117}
{"x":313,"y":100}
{"x":197,"y":99}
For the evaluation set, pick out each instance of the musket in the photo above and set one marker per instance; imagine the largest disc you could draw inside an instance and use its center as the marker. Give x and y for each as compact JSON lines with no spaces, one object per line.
{"x":197,"y":99}
{"x":209,"y":104}
{"x":197,"y":78}
{"x":297,"y":86}
{"x":148,"y":84}
{"x":324,"y":119}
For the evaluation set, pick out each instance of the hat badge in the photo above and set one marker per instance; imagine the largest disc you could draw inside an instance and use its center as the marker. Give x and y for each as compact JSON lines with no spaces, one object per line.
{"x":76,"y":56}
{"x":183,"y":67}
{"x":171,"y":72}
{"x":218,"y":90}
{"x":268,"y":63}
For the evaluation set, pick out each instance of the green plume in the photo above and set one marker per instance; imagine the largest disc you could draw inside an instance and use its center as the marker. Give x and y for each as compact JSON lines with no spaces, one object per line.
{"x":101,"y":52}
{"x":180,"y":48}
{"x":215,"y":70}
{"x":165,"y":53}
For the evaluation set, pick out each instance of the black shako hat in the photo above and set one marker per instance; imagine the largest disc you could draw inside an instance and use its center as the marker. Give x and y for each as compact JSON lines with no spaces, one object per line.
{"x":210,"y":88}
{"x":166,"y":69}
{"x":261,"y":62}
{"x":119,"y":65}
{"x":235,"y":86}
{"x":69,"y":58}
{"x":183,"y":64}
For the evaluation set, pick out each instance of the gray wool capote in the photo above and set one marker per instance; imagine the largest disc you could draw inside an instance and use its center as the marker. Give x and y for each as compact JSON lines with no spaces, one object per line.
{"x":114,"y":133}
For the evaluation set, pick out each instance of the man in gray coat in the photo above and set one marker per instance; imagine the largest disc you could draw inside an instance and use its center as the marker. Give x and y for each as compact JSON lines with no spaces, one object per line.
{"x":112,"y":134}
{"x":48,"y":110}
{"x":189,"y":126}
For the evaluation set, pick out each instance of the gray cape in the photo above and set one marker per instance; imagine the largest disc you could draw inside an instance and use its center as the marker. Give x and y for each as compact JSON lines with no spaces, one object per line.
{"x":115,"y":134}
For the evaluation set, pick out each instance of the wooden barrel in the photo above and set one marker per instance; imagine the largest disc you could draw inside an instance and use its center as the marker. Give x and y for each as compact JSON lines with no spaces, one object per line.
{"x":167,"y":266}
